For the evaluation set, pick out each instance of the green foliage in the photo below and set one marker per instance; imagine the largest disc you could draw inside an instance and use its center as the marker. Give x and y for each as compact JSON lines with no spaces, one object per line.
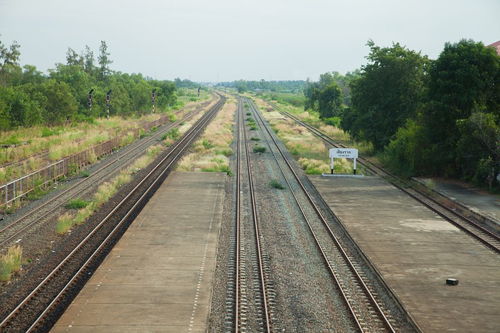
{"x":457,"y":133}
{"x":262,"y":85}
{"x":276,"y":184}
{"x":28,"y":97}
{"x":207,"y":144}
{"x":76,"y":204}
{"x":389,"y":90}
{"x":172,"y":134}
{"x":259,"y":149}
{"x":465,"y":79}
{"x":324,"y":96}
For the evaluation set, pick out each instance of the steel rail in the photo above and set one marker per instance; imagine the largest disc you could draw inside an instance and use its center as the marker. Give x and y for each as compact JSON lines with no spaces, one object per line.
{"x":74,"y":186}
{"x":177,"y":150}
{"x":255,"y":217}
{"x":381,"y":172}
{"x":371,"y":298}
{"x":238,"y":228}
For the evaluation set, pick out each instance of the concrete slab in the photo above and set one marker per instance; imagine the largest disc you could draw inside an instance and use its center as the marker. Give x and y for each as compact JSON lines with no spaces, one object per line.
{"x":158,"y":278}
{"x":416,"y":251}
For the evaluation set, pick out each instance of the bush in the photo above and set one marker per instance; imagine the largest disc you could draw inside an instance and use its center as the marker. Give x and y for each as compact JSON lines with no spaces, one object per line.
{"x":276,"y":184}
{"x":259,"y":149}
{"x":76,"y":204}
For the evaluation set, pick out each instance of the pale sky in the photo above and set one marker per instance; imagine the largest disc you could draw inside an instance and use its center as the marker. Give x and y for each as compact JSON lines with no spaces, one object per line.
{"x":223,"y":40}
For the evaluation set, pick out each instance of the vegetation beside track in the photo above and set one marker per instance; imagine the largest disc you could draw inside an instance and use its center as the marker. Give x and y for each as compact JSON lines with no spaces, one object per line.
{"x":310,"y":151}
{"x":211,"y":152}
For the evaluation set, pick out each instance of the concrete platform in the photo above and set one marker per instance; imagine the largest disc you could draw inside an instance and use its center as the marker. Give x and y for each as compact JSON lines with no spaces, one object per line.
{"x":415,"y":251}
{"x":472,"y":197}
{"x":158,"y":278}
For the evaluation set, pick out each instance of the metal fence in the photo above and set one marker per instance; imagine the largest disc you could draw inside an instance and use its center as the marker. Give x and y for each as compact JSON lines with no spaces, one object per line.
{"x":20,"y":187}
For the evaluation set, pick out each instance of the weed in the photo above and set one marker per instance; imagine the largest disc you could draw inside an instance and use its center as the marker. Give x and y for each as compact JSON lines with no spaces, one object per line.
{"x":64,"y":223}
{"x":84,"y":174}
{"x":254,"y":139}
{"x":207,"y":144}
{"x":249,"y":114}
{"x":276,"y":184}
{"x":259,"y":149}
{"x":172,"y":134}
{"x":76,"y":204}
{"x":253,"y":128}
{"x":10,"y":262}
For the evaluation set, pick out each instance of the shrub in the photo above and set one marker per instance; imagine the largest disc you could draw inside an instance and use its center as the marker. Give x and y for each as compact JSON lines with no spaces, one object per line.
{"x":254,"y":139}
{"x":207,"y":144}
{"x":76,"y":204}
{"x":172,"y":134}
{"x":259,"y":149}
{"x":276,"y":184}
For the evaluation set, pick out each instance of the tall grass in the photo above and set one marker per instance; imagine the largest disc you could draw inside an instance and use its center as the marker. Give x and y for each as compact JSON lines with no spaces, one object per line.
{"x":104,"y":192}
{"x":211,"y":151}
{"x":10,"y":263}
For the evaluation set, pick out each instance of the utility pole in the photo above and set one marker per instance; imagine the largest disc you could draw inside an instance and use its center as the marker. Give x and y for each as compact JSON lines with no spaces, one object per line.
{"x":108,"y":103}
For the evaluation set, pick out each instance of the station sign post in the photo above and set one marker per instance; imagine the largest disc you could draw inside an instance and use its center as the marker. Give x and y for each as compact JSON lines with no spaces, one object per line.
{"x":343,"y":153}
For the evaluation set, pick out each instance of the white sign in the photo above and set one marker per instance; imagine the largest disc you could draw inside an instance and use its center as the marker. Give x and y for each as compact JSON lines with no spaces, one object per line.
{"x":343,"y":153}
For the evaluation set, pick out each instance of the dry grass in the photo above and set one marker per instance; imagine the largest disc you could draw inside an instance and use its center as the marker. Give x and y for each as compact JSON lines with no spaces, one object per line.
{"x":310,"y":151}
{"x":106,"y":191}
{"x":62,"y":141}
{"x":10,"y":263}
{"x":211,"y":151}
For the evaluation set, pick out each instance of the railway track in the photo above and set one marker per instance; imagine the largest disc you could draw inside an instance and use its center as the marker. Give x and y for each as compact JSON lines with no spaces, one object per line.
{"x":463,"y":218}
{"x":17,"y":230}
{"x":38,"y":310}
{"x":369,"y":310}
{"x":251,"y":303}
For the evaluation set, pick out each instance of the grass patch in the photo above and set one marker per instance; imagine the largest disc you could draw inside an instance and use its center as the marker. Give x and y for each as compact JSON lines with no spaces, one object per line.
{"x":259,"y":149}
{"x":249,"y":114}
{"x":254,"y":139}
{"x":104,"y":192}
{"x":210,"y":153}
{"x":76,"y":204}
{"x":84,"y":174}
{"x":276,"y":184}
{"x":10,"y":263}
{"x":253,"y":128}
{"x":207,"y":144}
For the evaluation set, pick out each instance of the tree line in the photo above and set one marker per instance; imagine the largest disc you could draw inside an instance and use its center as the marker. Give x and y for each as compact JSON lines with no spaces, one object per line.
{"x":425,"y":117}
{"x":29,"y":97}
{"x":274,"y":86}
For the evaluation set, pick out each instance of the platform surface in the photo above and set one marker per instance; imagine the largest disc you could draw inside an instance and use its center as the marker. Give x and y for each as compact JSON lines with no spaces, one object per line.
{"x":415,"y":250}
{"x":472,"y":197}
{"x":158,"y":277}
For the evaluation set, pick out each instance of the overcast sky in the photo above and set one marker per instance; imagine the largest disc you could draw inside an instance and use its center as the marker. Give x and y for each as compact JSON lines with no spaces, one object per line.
{"x":220,"y":40}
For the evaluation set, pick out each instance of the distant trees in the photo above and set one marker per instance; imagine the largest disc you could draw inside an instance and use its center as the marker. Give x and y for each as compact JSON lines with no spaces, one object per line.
{"x":324,"y":96}
{"x":28,"y":97}
{"x":263,"y":85}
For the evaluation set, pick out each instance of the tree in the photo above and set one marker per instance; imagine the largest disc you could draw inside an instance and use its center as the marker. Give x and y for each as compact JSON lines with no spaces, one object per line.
{"x":104,"y":61}
{"x":324,"y":96}
{"x":9,"y":61}
{"x":73,"y":58}
{"x":389,"y":90}
{"x":464,"y":79}
{"x":88,"y":60}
